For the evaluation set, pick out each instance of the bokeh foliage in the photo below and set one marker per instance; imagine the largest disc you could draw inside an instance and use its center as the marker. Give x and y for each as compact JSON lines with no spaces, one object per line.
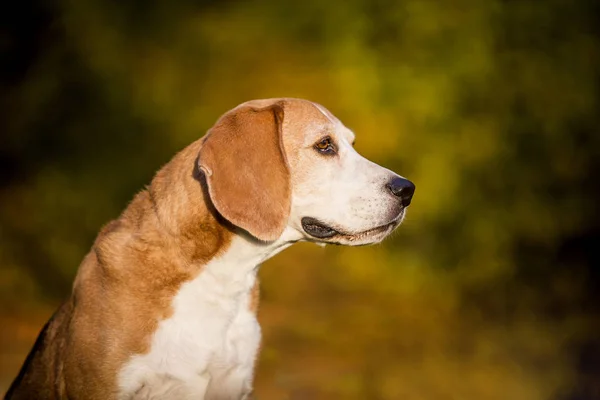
{"x":488,"y":291}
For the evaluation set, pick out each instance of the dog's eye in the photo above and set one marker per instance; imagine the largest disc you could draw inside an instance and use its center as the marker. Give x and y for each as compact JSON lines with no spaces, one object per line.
{"x":325,"y":146}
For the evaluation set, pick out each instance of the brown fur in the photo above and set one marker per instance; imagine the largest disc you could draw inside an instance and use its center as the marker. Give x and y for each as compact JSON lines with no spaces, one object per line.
{"x":126,"y":283}
{"x":255,"y":297}
{"x":249,"y":188}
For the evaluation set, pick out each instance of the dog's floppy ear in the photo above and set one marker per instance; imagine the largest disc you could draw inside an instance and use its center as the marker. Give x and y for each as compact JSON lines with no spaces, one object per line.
{"x":246,"y":170}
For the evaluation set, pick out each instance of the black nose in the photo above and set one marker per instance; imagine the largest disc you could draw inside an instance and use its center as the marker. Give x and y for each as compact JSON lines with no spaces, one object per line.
{"x":403,"y":189}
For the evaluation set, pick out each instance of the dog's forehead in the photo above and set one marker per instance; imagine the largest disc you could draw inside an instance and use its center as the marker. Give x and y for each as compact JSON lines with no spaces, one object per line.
{"x":310,"y":120}
{"x":305,"y":119}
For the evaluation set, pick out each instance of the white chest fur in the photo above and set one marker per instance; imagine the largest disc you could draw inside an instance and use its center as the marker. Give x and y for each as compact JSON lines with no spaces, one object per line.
{"x":207,"y":348}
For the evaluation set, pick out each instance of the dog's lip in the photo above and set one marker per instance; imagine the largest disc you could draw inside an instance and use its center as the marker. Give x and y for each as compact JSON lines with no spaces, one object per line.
{"x":321,"y":230}
{"x":317,"y":229}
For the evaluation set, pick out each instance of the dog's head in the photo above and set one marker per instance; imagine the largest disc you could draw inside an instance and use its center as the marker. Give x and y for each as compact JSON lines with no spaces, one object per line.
{"x":289,"y":165}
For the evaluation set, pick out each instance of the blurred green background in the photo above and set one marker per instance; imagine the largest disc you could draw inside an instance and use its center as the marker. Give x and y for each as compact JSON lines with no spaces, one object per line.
{"x":490,"y":289}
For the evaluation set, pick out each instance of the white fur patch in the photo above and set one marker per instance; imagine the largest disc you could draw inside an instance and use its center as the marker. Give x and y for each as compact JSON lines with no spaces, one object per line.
{"x":207,"y":348}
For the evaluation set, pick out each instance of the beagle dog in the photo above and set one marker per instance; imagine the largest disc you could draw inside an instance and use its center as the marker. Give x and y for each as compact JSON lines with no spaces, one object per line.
{"x":164,"y":305}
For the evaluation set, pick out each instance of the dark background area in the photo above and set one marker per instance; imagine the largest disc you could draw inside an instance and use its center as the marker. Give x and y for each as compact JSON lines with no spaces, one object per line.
{"x":490,"y":290}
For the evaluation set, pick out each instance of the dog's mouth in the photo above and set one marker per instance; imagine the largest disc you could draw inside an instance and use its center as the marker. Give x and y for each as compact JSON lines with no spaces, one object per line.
{"x":320,"y":230}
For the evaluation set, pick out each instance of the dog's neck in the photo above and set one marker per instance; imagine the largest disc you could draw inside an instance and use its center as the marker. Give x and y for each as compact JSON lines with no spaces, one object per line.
{"x":236,"y":268}
{"x":184,"y":210}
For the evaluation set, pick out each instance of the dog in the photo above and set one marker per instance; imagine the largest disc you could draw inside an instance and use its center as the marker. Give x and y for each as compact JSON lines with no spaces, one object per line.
{"x":164,"y":304}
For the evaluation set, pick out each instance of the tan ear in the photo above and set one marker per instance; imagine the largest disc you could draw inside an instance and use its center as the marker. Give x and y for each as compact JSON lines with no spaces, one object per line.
{"x":246,"y":171}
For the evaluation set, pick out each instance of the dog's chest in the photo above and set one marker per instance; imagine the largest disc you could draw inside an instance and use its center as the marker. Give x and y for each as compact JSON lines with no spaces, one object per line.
{"x":212,"y":333}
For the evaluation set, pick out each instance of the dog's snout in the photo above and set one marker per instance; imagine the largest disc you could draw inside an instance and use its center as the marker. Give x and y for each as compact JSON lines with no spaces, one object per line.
{"x":403,"y":189}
